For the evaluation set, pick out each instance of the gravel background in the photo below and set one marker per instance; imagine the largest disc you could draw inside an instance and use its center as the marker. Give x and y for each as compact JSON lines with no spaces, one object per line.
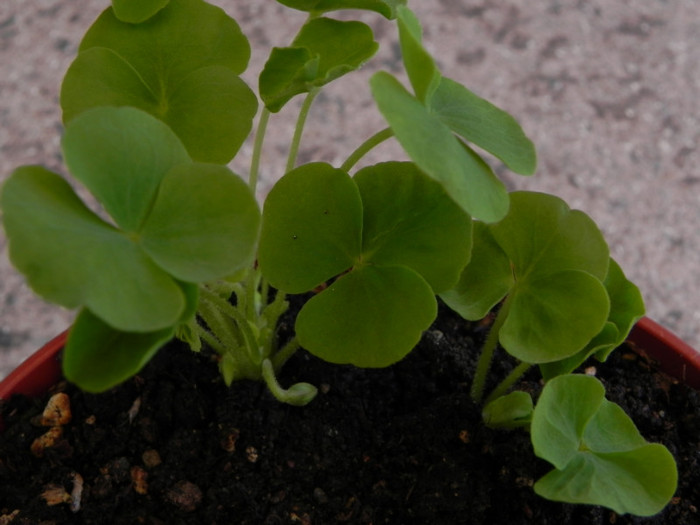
{"x":607,"y":89}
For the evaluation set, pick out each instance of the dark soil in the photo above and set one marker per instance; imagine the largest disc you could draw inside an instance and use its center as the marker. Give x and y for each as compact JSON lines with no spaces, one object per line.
{"x":402,"y":445}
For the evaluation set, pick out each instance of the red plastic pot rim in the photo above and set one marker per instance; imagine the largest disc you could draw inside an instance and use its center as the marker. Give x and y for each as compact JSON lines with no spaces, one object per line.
{"x":675,"y":357}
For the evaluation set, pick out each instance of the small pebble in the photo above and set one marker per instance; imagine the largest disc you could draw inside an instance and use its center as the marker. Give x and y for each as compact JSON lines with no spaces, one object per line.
{"x":185,"y":495}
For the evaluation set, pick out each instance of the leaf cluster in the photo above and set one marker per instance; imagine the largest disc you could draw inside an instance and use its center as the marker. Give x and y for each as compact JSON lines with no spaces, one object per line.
{"x":154,"y":108}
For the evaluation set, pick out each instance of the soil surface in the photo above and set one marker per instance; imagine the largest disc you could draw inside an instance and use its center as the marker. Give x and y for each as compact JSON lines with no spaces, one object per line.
{"x":402,"y":445}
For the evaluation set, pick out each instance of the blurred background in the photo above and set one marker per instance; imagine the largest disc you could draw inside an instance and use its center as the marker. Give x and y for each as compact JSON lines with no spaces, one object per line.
{"x":607,"y":90}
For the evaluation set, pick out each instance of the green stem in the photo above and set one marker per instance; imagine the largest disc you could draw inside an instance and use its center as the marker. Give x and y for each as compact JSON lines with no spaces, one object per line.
{"x":281,"y":357}
{"x":257,"y":150}
{"x":508,"y":382}
{"x":487,"y":351}
{"x":298,"y":394}
{"x":299,"y":129}
{"x":366,"y":147}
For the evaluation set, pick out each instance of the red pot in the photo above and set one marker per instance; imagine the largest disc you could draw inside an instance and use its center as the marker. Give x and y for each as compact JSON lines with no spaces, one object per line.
{"x":678,"y":359}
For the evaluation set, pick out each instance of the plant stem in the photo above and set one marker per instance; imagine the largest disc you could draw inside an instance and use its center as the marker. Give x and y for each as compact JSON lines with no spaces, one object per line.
{"x":487,"y":351}
{"x":299,"y":129}
{"x":281,"y":357}
{"x":508,"y":382}
{"x":366,"y":147}
{"x":257,"y":150}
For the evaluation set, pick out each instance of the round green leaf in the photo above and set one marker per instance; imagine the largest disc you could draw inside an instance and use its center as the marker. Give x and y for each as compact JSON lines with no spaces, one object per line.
{"x":371,"y":317}
{"x":204,"y":223}
{"x":121,"y":155}
{"x":97,"y":357}
{"x":409,"y":220}
{"x":387,"y":8}
{"x":72,"y":257}
{"x":180,"y":65}
{"x":137,"y":11}
{"x":467,"y":179}
{"x":599,"y":456}
{"x":554,"y":316}
{"x":311,"y":230}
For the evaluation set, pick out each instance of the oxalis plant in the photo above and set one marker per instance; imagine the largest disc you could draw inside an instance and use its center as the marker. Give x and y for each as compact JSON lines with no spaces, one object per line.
{"x":154,"y":110}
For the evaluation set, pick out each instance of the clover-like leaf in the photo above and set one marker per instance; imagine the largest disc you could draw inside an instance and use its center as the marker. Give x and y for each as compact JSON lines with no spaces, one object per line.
{"x":409,"y":220}
{"x":478,"y":121}
{"x":430,"y":143}
{"x":174,"y":222}
{"x":312,"y":227}
{"x":386,"y":8}
{"x":324,"y":50}
{"x":137,"y":11}
{"x":181,"y":66}
{"x":393,"y":223}
{"x":626,"y":308}
{"x":556,"y":262}
{"x":598,"y":454}
{"x":371,"y":317}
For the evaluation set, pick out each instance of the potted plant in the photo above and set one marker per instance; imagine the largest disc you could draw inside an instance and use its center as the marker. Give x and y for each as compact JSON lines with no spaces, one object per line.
{"x":154,"y":109}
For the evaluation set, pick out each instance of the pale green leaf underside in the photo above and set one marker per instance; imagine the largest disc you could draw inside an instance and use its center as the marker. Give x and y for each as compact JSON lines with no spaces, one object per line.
{"x":371,"y":317}
{"x":478,"y":121}
{"x":409,"y":220}
{"x":599,"y":455}
{"x":431,"y":145}
{"x":510,"y":411}
{"x":71,"y":257}
{"x":312,"y":227}
{"x":137,"y":11}
{"x":387,"y":8}
{"x":324,"y":49}
{"x":172,"y":68}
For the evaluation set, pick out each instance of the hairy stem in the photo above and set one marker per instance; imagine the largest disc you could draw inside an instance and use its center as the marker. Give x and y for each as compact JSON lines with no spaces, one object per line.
{"x":484,"y":365}
{"x":508,"y":382}
{"x":367,"y":146}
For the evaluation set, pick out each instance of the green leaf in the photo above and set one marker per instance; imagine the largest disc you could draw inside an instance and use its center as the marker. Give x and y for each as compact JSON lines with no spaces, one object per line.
{"x":324,"y":49}
{"x":599,"y":456}
{"x":98,"y":357}
{"x":485,"y":281}
{"x":371,"y":317}
{"x":312,"y":227}
{"x":478,"y":121}
{"x":551,"y":261}
{"x":511,"y":411}
{"x":204,"y":223}
{"x":121,"y":155}
{"x":420,"y":66}
{"x":137,"y":11}
{"x":626,"y":308}
{"x":467,"y":179}
{"x":409,"y":220}
{"x":72,"y":257}
{"x":387,"y":8}
{"x":181,"y":65}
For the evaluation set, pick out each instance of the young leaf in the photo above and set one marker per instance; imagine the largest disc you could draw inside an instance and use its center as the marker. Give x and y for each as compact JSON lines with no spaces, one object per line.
{"x":420,"y":66}
{"x":478,"y":121}
{"x":181,"y":65}
{"x":408,"y":219}
{"x":72,"y":257}
{"x":558,"y":259}
{"x":513,"y":410}
{"x":467,"y":179}
{"x":312,"y":227}
{"x":386,"y":8}
{"x":98,"y":357}
{"x":324,"y":50}
{"x":598,"y":454}
{"x":626,"y":308}
{"x":137,"y":11}
{"x":371,"y":317}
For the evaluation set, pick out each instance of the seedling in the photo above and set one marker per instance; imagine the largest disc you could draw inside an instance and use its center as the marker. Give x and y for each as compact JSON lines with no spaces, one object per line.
{"x":154,"y":108}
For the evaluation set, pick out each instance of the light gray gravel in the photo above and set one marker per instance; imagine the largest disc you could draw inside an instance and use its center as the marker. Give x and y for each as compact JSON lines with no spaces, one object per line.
{"x":608,"y":90}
